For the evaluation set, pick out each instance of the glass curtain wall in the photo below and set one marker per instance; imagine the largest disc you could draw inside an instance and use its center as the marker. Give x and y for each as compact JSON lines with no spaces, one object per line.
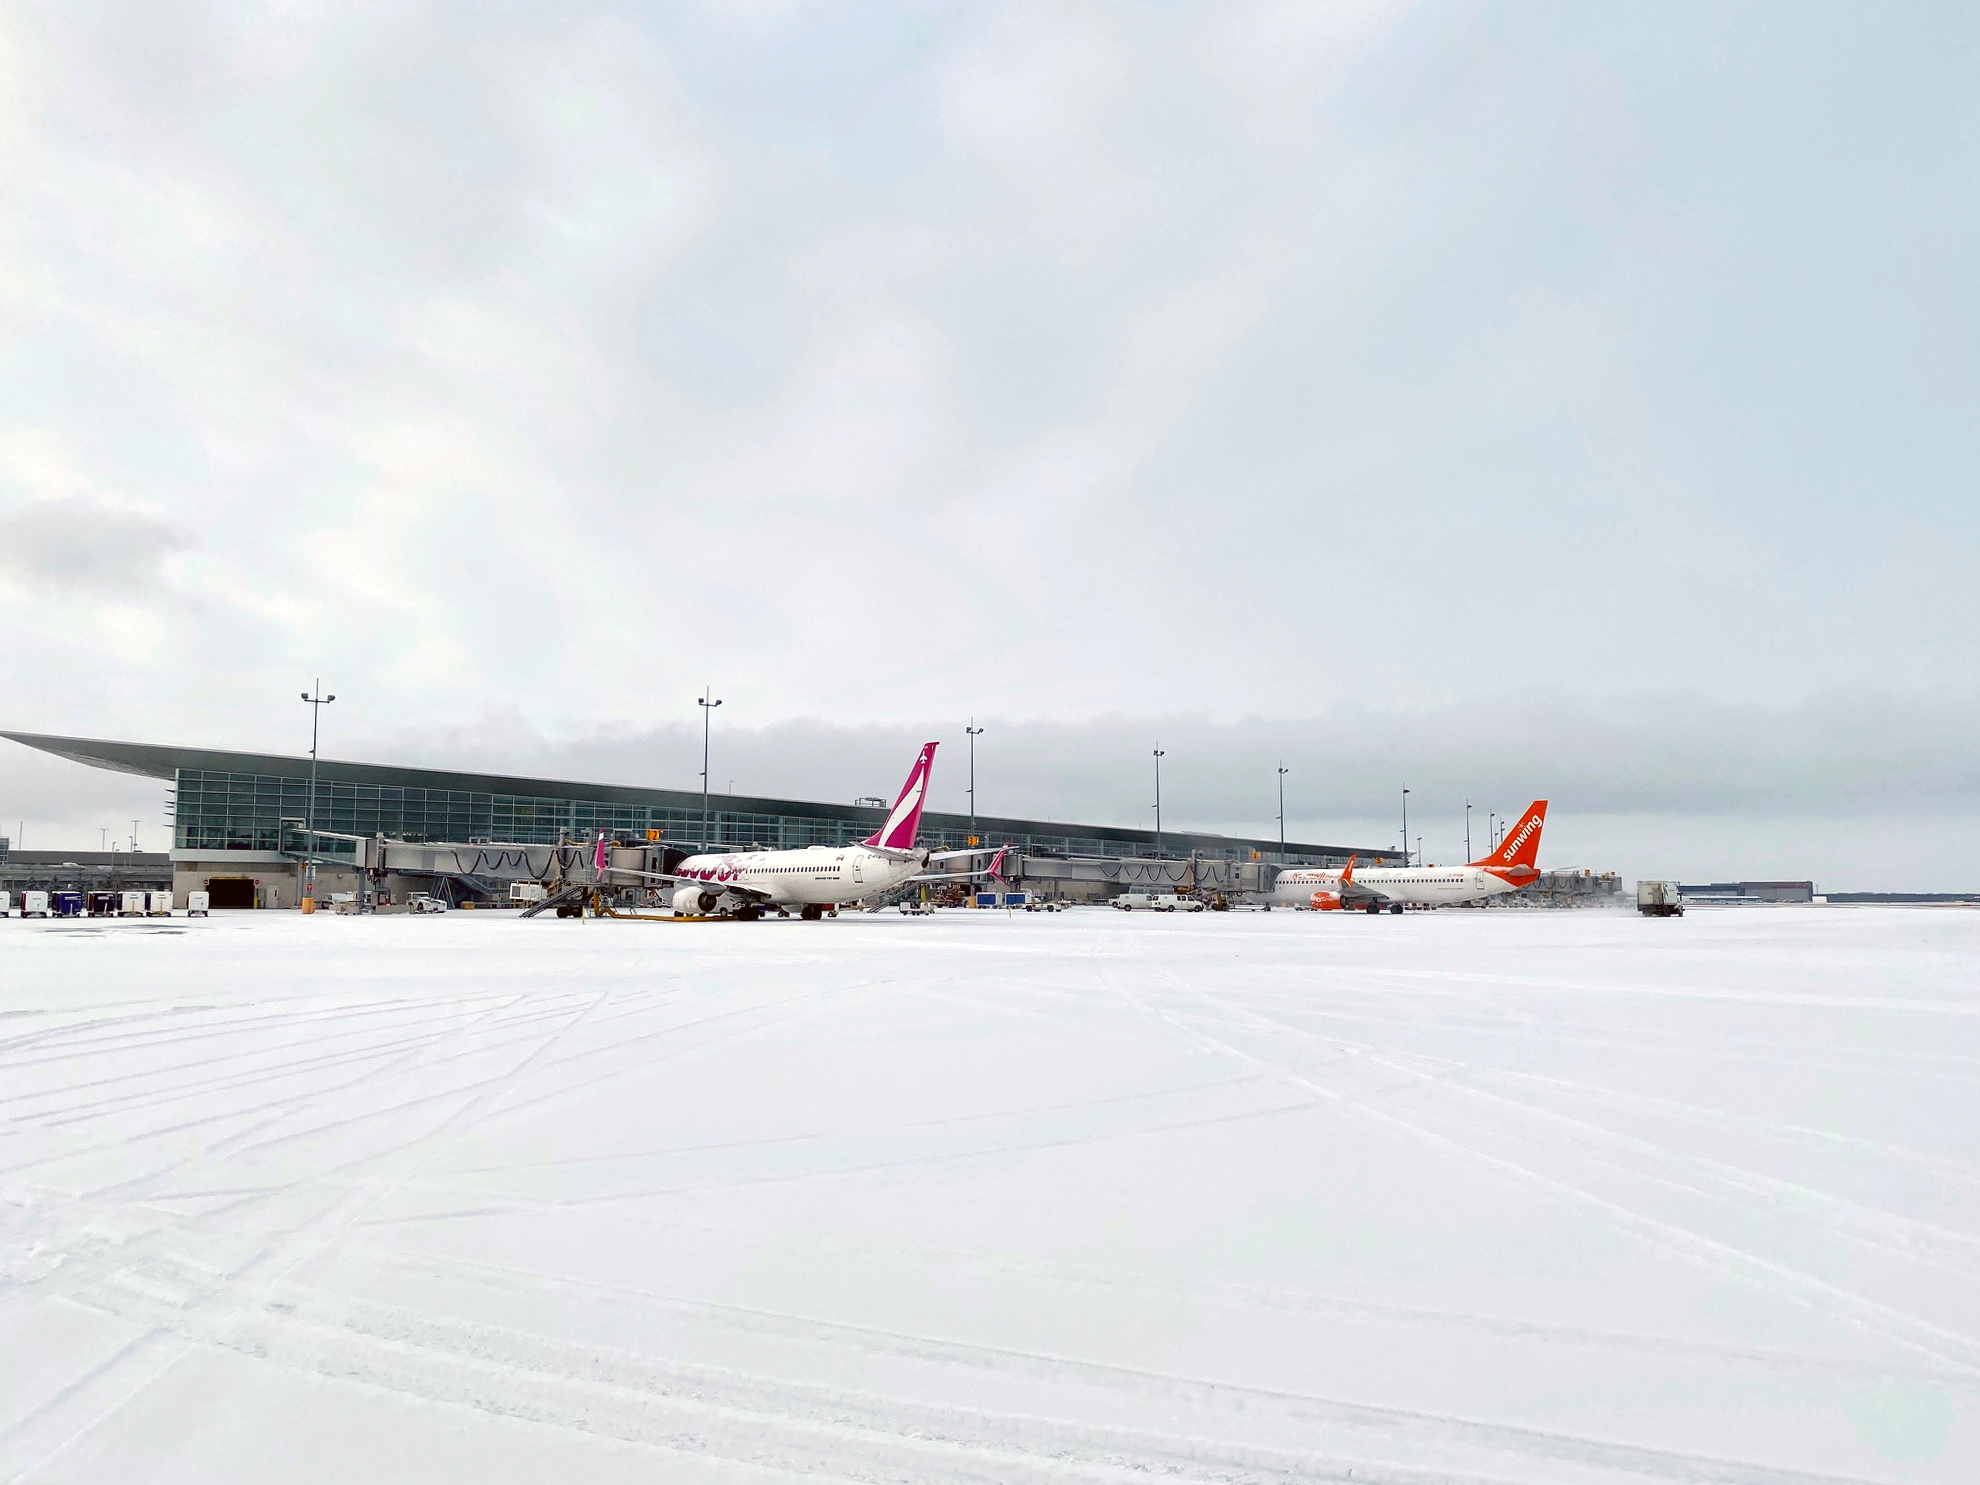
{"x":244,"y":811}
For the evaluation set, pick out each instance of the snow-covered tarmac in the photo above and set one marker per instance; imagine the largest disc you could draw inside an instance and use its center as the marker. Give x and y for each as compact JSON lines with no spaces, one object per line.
{"x":1474,"y":1196}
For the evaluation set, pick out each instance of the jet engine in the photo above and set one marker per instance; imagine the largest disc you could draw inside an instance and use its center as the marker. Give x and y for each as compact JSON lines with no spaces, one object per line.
{"x":1326,"y":902}
{"x":695,"y":900}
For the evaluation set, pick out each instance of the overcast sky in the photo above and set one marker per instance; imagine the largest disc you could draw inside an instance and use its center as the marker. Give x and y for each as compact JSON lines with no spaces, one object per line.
{"x":1498,"y":400}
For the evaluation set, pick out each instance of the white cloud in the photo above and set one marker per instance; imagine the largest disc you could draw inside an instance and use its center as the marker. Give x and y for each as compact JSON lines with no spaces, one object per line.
{"x":1065,"y":361}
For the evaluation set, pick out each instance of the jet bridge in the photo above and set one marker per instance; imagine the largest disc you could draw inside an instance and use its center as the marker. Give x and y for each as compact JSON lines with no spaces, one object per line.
{"x":485,"y":867}
{"x":1100,"y":875}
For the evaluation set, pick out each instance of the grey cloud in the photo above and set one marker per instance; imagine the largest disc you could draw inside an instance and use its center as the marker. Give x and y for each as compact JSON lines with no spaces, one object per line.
{"x":81,"y":543}
{"x":1840,"y":756}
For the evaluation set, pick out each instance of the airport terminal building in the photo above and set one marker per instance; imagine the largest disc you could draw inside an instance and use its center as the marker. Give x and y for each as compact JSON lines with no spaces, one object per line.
{"x":236,"y":816}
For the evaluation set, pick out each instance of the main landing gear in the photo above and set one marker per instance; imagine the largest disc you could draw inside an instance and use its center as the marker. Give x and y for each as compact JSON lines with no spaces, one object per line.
{"x":811,"y":912}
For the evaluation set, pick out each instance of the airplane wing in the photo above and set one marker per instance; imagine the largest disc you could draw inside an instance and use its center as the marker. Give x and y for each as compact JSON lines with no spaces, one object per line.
{"x":965,"y":876}
{"x":667,"y":876}
{"x":972,"y":851}
{"x":1355,"y":894}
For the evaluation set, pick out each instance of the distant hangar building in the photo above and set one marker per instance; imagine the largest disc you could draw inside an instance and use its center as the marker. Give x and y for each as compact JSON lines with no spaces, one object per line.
{"x":228,"y":811}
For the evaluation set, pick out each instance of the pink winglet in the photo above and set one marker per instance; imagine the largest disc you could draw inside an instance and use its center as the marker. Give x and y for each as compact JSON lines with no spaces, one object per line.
{"x":598,"y":856}
{"x":904,"y":819}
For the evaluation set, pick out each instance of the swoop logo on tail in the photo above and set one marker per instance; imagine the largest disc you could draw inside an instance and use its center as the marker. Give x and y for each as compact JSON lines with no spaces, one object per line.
{"x":904,"y":819}
{"x":1515,"y":860}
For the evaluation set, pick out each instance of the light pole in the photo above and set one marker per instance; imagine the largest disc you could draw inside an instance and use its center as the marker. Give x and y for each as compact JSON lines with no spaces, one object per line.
{"x":1467,"y":832}
{"x":1405,"y":802}
{"x":1158,"y":804}
{"x":707,"y":711}
{"x":1419,"y":850}
{"x":974,"y":733}
{"x":1283,"y":771}
{"x":316,"y":705}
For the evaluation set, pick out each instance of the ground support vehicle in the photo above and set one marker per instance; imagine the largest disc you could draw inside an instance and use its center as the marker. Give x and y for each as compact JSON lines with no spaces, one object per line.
{"x":1659,"y":900}
{"x":198,"y":904}
{"x":421,"y":902}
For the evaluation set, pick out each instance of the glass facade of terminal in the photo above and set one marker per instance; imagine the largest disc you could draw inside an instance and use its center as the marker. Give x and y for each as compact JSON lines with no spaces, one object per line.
{"x":232,"y":801}
{"x":245,"y":811}
{"x":228,"y":810}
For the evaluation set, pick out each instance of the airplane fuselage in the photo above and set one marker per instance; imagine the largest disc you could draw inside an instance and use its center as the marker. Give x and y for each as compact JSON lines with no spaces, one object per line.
{"x":816,"y":874}
{"x":1412,"y":886}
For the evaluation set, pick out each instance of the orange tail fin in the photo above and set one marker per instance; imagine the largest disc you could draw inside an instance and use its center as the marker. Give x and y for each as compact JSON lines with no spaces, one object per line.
{"x":1520,"y":850}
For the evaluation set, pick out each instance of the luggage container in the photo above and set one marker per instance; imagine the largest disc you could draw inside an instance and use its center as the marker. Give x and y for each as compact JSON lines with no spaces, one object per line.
{"x":197,"y":904}
{"x":986,"y":899}
{"x":66,"y":904}
{"x":6,"y":904}
{"x":134,"y":905}
{"x":34,"y":904}
{"x":161,"y":904}
{"x":103,"y":904}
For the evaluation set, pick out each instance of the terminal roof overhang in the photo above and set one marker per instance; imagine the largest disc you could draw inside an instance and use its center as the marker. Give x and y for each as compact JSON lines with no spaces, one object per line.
{"x":148,"y":760}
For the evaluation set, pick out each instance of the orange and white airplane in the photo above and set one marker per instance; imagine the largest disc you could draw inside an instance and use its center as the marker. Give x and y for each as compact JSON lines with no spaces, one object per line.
{"x":1510,"y":867}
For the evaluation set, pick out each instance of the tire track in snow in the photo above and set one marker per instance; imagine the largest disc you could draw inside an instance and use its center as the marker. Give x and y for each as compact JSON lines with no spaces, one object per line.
{"x":1947,"y":1347}
{"x":716,"y":1411}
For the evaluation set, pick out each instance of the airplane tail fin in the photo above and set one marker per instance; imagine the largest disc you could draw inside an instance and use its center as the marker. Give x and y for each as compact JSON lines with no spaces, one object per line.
{"x":904,"y":819}
{"x":1347,"y":872}
{"x":1520,"y":850}
{"x":995,"y":868}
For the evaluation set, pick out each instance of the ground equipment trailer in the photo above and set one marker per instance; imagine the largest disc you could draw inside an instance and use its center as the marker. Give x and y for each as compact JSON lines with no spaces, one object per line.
{"x":1659,"y":900}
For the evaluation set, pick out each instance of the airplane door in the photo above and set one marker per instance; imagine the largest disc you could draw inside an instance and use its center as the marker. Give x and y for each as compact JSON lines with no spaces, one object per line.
{"x":859,"y":872}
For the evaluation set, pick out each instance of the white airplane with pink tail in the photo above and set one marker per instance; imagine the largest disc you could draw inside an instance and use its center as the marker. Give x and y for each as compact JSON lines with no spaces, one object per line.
{"x":743,"y":883}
